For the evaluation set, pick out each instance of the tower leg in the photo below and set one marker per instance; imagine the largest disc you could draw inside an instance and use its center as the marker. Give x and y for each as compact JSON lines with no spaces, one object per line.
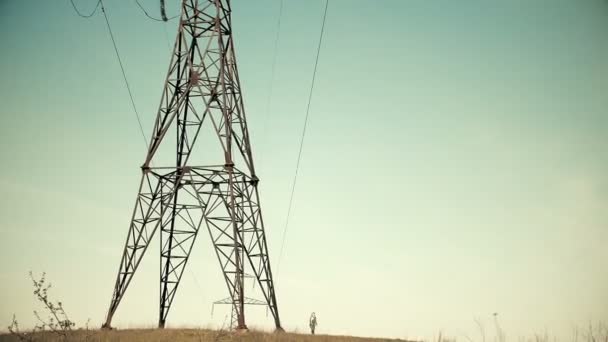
{"x":144,"y":223}
{"x":182,"y":217}
{"x":221,"y":199}
{"x":256,"y":248}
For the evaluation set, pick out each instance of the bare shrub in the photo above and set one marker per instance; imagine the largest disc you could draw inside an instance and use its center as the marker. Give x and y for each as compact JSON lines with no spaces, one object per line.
{"x":54,"y":319}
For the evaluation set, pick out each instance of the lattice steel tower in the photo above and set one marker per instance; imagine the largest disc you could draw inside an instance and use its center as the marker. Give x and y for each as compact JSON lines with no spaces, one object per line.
{"x":184,"y":188}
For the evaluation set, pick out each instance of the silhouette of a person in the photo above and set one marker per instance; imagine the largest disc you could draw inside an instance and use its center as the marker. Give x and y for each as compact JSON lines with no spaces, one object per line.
{"x":312,"y":323}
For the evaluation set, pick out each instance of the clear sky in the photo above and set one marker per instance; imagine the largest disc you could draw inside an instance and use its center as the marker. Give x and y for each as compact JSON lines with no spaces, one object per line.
{"x":455,"y":164}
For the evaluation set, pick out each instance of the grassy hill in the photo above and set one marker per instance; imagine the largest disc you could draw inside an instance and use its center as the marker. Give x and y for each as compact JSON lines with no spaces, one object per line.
{"x":182,"y":335}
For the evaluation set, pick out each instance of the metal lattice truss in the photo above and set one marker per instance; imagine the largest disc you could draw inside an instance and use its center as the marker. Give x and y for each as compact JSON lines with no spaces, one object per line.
{"x":202,"y":89}
{"x":233,"y":313}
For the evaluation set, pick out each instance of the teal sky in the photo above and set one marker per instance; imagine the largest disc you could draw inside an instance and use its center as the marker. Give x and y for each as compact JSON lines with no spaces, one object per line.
{"x":455,"y":163}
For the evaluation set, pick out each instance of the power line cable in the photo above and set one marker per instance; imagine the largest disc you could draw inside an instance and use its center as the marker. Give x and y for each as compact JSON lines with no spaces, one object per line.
{"x":146,"y":12}
{"x":271,"y":87}
{"x":124,"y":75}
{"x":276,"y":44}
{"x":167,"y":36}
{"x":312,"y":85}
{"x":164,"y":16}
{"x":98,"y":5}
{"x":85,"y":15}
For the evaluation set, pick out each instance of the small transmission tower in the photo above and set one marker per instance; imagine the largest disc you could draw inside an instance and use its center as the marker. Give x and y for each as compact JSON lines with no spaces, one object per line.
{"x":215,"y":188}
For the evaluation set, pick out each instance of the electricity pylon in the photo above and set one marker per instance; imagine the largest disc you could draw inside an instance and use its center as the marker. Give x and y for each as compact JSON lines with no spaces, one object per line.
{"x":214,"y":185}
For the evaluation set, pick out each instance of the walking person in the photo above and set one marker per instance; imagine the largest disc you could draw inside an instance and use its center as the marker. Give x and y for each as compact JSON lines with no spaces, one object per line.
{"x":312,"y":323}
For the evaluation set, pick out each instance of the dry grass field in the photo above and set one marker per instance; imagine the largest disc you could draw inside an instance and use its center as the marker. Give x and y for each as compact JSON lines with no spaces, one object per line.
{"x":181,"y":335}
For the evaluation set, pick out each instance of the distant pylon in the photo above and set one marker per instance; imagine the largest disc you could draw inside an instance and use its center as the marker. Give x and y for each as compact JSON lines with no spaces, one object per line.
{"x":215,"y":186}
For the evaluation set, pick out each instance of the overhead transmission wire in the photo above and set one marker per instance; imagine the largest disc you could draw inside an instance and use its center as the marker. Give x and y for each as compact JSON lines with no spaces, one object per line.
{"x":166,"y":36}
{"x":163,"y":19}
{"x":271,"y":86}
{"x":162,"y":11}
{"x":85,"y":15}
{"x":124,"y":74}
{"x":122,"y":69}
{"x":295,"y":178}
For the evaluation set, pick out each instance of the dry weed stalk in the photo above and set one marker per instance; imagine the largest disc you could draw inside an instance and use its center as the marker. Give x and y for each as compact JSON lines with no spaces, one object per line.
{"x":14,"y":330}
{"x":57,"y":320}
